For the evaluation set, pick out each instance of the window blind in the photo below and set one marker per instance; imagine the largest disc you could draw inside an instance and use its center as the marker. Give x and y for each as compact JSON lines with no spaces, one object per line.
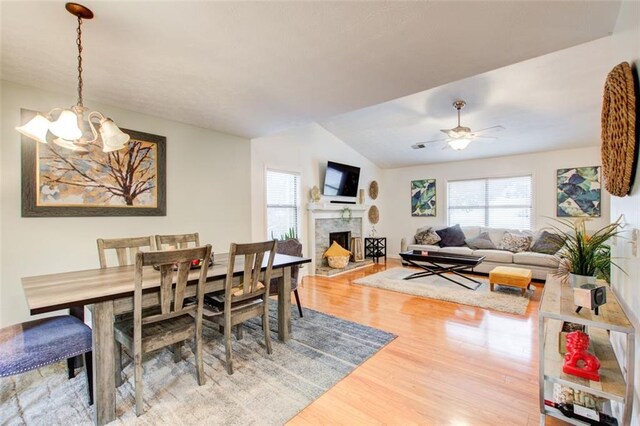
{"x":492,"y":202}
{"x":283,"y":203}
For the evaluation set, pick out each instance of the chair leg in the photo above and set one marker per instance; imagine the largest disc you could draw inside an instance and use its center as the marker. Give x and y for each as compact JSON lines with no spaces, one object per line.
{"x":239,"y":332}
{"x":265,"y":329}
{"x":117,"y":360}
{"x":295,"y":293}
{"x":137,"y":359}
{"x":177,"y":352}
{"x":227,"y":344}
{"x":71,"y":367}
{"x":88,"y":366}
{"x":198,"y":354}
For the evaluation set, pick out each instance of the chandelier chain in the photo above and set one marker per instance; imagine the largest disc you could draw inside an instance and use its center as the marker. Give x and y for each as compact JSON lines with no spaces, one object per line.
{"x":79,"y":43}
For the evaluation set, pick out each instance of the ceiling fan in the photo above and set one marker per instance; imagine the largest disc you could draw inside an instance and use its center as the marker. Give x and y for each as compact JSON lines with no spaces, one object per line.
{"x":460,"y":137}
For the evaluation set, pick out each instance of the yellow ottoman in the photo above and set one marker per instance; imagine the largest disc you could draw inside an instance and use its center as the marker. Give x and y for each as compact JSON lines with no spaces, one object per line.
{"x":513,"y":277}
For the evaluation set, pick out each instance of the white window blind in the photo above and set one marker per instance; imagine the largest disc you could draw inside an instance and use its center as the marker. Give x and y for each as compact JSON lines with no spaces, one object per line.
{"x":283,"y":203}
{"x":492,"y":202}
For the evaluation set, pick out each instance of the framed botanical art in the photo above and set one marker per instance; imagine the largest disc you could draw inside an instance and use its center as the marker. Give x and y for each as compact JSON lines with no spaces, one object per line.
{"x":60,"y":182}
{"x":423,"y":197}
{"x":578,"y":192}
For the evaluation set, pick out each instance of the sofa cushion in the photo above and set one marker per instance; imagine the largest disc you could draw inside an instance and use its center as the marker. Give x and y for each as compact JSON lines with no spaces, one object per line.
{"x":479,"y":242}
{"x":457,"y":250}
{"x":423,"y":247}
{"x":536,"y":259}
{"x":501,"y":256}
{"x":427,"y":237}
{"x":514,"y":242}
{"x":451,"y":236}
{"x":547,"y":243}
{"x":470,"y":231}
{"x":494,"y":233}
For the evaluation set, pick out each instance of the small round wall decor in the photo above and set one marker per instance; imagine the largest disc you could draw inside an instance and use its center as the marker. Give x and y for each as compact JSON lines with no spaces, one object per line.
{"x":619,"y":132}
{"x":373,"y":190}
{"x":374,"y":214}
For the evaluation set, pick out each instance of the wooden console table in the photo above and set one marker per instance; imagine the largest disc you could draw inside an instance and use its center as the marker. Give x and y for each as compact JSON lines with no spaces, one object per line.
{"x":615,"y":385}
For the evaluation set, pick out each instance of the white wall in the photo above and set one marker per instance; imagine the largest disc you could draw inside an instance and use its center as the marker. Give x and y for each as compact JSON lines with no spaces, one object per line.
{"x":541,"y":166}
{"x":626,"y":38}
{"x":208,"y":178}
{"x":305,"y":150}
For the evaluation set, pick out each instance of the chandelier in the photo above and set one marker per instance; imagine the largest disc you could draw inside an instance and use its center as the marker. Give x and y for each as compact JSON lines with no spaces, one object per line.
{"x":74,"y":128}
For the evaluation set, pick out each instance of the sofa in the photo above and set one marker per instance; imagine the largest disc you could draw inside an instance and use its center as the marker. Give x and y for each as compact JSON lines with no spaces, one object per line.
{"x":540,"y":264}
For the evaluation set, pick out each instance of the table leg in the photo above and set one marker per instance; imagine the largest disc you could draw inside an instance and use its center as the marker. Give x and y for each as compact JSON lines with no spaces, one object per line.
{"x":104,"y":386}
{"x":284,"y":305}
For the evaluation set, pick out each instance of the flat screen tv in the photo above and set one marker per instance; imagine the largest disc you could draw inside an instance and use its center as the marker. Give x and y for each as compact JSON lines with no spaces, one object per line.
{"x":341,"y":179}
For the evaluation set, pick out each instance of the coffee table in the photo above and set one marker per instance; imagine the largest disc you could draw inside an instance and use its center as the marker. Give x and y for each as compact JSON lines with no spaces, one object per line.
{"x":435,"y":263}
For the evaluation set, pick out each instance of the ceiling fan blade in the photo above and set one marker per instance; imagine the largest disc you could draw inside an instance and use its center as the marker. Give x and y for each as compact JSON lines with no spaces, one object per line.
{"x":489,"y":129}
{"x":485,"y":137}
{"x":421,"y":145}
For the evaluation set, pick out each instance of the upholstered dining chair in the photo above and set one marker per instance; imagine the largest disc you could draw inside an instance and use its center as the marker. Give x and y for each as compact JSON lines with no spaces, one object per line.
{"x":177,"y":241}
{"x":291,"y":247}
{"x":34,"y":344}
{"x":246,"y":298}
{"x":126,"y":250}
{"x":174,"y":321}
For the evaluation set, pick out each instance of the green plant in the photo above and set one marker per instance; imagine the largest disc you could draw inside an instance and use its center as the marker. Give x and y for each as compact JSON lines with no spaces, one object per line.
{"x":587,"y":253}
{"x":289,"y":235}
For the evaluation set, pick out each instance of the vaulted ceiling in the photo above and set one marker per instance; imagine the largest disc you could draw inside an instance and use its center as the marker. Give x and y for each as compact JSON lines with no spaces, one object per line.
{"x":257,"y":68}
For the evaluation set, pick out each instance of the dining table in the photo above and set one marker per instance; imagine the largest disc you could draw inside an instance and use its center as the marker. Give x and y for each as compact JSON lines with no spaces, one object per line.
{"x":108,"y":293}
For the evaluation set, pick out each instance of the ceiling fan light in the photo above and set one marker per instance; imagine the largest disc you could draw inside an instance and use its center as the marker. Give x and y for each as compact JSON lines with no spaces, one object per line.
{"x":459,"y":144}
{"x":36,"y":128}
{"x":112,"y":137}
{"x":66,"y":126}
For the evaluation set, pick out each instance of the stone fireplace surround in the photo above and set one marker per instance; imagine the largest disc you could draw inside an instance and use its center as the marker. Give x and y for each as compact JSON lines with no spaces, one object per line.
{"x":324,"y":218}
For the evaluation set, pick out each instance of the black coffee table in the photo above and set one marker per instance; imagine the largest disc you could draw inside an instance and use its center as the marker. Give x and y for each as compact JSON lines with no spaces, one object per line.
{"x":435,"y":263}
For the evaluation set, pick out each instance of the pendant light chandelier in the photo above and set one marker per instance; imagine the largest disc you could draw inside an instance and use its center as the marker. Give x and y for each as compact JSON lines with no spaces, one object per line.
{"x":75,"y":128}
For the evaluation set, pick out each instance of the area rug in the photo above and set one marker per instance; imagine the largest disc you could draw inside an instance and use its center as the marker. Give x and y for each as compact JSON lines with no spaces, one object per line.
{"x":264,"y":389}
{"x":503,"y":298}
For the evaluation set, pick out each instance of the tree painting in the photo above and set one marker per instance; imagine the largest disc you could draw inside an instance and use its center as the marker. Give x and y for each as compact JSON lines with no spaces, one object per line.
{"x":578,"y":191}
{"x":124,"y":178}
{"x":423,"y":197}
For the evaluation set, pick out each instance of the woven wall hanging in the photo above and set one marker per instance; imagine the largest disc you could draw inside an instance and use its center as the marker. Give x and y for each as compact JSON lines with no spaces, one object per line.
{"x":373,"y":190}
{"x":374,"y":214}
{"x":619,"y":131}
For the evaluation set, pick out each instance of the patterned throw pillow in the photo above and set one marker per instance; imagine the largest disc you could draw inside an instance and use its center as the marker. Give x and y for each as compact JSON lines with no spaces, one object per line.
{"x":480,"y":242}
{"x":514,"y":243}
{"x":547,"y":243}
{"x":428,"y":237}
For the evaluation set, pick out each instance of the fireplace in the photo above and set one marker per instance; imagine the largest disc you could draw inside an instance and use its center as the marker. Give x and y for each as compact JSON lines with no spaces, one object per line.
{"x":343,"y":238}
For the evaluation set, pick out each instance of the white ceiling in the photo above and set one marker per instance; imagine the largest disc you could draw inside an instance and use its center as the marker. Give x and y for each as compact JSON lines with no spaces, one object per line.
{"x":257,"y":68}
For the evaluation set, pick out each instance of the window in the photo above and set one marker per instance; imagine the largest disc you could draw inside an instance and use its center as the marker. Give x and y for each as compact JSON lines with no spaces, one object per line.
{"x":492,"y":202}
{"x":283,"y":203}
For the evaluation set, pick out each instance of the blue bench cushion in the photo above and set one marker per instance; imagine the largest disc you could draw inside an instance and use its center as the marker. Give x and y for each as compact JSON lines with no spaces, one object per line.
{"x":33,"y":344}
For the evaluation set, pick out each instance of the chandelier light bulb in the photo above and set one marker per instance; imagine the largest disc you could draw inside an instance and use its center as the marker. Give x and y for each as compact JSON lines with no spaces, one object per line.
{"x":66,"y":126}
{"x":37,"y":128}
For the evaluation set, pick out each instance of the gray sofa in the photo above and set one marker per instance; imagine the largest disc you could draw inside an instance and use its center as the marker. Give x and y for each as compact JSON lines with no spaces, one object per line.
{"x":540,"y":264}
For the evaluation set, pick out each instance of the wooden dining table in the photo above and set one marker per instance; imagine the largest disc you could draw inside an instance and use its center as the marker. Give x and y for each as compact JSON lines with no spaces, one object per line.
{"x":109,"y":292}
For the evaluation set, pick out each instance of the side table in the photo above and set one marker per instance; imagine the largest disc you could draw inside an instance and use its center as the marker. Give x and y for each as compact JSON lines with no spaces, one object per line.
{"x":375,"y":248}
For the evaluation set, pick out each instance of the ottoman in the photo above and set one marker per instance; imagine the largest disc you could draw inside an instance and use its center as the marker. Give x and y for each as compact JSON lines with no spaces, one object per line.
{"x":513,"y":277}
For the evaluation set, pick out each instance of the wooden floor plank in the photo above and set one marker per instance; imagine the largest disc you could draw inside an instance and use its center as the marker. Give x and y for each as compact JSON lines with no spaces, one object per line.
{"x":450,"y":365}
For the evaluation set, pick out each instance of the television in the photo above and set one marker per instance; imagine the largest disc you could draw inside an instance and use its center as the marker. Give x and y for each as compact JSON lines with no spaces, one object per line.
{"x":341,"y":179}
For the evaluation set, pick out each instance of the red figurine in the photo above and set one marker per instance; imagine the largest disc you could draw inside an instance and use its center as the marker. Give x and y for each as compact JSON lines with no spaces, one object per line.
{"x":579,"y":362}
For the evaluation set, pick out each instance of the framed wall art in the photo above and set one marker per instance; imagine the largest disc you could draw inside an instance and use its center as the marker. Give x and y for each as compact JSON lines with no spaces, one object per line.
{"x":60,"y":182}
{"x":423,"y":197}
{"x":578,"y":192}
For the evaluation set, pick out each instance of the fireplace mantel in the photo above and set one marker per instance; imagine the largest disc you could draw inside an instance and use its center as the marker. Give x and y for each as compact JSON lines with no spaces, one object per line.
{"x":327,"y":207}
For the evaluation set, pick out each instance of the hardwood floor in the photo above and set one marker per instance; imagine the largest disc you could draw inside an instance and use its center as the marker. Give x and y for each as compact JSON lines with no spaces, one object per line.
{"x":450,"y":364}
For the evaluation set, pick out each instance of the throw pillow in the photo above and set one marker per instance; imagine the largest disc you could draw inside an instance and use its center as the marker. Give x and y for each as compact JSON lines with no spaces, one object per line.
{"x":336,"y":250}
{"x":547,"y":243}
{"x":451,"y":236}
{"x":428,"y":237}
{"x":481,"y":242}
{"x":514,"y":243}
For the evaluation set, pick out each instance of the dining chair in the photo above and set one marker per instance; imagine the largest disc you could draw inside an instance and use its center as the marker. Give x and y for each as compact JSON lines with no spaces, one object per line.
{"x":34,"y":344}
{"x":126,"y":250}
{"x":245,"y":297}
{"x":291,"y":247}
{"x":177,"y":241}
{"x":174,"y":320}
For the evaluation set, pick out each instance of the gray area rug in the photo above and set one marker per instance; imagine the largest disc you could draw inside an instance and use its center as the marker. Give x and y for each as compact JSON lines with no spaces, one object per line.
{"x":264,"y":389}
{"x":503,"y":298}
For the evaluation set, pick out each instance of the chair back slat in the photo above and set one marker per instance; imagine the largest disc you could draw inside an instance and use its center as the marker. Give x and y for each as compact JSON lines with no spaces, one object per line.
{"x":180,"y":241}
{"x":172,"y":293}
{"x":254,"y":254}
{"x":126,"y":249}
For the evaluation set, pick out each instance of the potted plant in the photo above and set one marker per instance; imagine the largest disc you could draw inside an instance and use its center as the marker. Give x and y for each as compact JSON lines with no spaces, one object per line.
{"x":586,"y":255}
